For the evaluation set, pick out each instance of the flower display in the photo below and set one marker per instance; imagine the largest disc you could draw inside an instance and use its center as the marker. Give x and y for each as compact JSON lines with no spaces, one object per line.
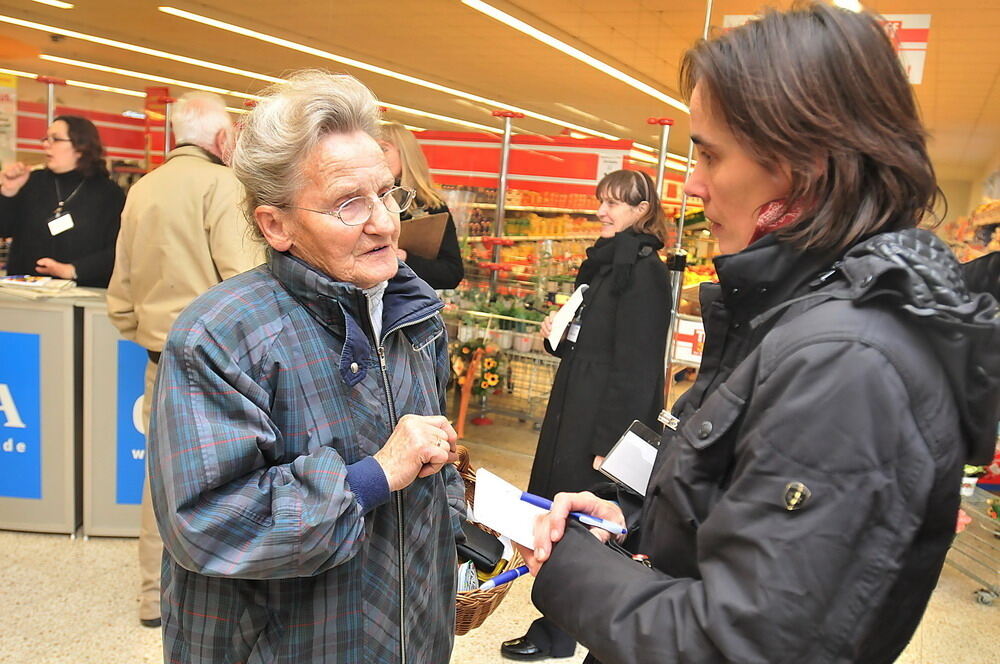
{"x":492,"y":368}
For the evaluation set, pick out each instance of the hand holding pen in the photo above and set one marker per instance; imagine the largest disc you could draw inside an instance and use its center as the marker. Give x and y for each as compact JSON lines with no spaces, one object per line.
{"x":549,"y":528}
{"x":586,"y":519}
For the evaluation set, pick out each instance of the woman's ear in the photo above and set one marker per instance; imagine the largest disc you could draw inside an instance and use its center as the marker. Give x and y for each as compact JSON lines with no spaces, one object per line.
{"x":276,"y":226}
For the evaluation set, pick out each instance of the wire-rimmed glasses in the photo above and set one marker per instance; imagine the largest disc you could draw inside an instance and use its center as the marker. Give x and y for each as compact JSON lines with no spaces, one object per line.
{"x":356,"y":211}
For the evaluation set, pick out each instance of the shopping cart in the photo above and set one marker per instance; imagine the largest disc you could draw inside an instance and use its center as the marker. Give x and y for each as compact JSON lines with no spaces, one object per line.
{"x":529,"y":371}
{"x":529,"y":381}
{"x":976,"y":550}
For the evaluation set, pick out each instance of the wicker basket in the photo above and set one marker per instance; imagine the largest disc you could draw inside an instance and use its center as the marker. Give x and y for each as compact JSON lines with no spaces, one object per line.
{"x":473,"y":606}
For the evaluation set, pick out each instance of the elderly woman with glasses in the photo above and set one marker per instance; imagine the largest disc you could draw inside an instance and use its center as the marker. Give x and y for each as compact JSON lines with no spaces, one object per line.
{"x":63,"y":219}
{"x":299,"y":458}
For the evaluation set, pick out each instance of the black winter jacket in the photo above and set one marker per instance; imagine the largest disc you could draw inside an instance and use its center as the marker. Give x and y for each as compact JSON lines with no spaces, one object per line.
{"x":613,"y":374}
{"x":802,"y":508}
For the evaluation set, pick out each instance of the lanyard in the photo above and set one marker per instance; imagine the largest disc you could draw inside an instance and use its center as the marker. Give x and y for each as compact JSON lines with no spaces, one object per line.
{"x":63,"y":202}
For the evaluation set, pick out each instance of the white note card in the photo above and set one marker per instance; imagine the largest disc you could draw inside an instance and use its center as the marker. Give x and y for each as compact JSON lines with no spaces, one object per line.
{"x":565,"y":315}
{"x":61,"y":224}
{"x":499,"y":506}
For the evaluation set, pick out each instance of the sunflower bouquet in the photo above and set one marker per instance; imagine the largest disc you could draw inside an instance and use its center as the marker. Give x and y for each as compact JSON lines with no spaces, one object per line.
{"x":491,"y":365}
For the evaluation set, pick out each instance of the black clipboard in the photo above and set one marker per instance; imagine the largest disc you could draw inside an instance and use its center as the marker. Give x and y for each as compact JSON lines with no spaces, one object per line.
{"x":630,"y":462}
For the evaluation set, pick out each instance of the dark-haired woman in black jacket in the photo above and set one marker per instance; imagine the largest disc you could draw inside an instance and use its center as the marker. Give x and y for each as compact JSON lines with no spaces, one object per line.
{"x":63,"y":220}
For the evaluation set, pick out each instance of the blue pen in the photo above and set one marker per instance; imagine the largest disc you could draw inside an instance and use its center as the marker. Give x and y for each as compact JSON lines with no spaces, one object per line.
{"x":585,"y":519}
{"x":504,"y":577}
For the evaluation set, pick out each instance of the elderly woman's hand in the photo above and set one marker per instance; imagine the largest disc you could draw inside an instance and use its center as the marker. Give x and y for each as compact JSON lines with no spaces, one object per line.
{"x":419,"y":446}
{"x":549,"y":527}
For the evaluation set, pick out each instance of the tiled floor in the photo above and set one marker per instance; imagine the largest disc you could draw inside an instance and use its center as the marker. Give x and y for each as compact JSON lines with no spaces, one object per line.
{"x":64,"y":600}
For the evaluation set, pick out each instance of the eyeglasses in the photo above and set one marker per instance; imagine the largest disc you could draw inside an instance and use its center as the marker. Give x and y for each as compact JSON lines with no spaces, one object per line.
{"x":356,"y":211}
{"x":53,"y":139}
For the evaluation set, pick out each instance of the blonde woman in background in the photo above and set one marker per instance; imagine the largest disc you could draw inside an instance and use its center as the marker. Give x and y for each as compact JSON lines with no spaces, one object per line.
{"x":409,"y":167}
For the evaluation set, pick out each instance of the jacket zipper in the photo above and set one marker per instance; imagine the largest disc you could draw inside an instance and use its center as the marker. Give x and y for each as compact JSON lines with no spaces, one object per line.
{"x":398,"y":497}
{"x":398,"y":494}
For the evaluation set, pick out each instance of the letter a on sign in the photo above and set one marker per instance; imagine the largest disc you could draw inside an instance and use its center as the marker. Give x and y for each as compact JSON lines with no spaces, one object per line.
{"x":9,"y":409}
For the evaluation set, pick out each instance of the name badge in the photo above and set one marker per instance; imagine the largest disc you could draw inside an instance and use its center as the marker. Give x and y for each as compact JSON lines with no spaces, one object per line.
{"x":61,"y":224}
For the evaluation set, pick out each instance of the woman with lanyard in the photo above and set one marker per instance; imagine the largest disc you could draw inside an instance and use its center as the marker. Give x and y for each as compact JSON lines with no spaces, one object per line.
{"x":63,"y":220}
{"x":612,"y":365}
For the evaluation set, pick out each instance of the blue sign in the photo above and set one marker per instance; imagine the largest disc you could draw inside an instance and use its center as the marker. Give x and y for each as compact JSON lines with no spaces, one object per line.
{"x":20,"y":415}
{"x":130,"y":469}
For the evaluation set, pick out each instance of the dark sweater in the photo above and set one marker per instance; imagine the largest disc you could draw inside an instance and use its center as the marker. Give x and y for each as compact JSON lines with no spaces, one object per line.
{"x":446,"y":270}
{"x":90,"y":245}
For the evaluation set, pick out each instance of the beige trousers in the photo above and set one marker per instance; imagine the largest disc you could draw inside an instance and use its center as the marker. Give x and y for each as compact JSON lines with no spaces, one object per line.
{"x":150,"y":544}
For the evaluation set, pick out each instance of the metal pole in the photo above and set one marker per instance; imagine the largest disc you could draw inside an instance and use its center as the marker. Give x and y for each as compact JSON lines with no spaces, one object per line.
{"x":50,"y":92}
{"x":661,"y":160}
{"x":498,"y":220}
{"x":680,"y":256}
{"x":50,"y":106}
{"x":166,"y":127}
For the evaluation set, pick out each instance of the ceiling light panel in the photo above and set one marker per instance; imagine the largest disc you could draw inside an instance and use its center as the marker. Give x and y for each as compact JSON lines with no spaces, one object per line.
{"x":574,"y":52}
{"x":145,"y":76}
{"x":55,"y":3}
{"x":77,"y":84}
{"x":375,"y":69}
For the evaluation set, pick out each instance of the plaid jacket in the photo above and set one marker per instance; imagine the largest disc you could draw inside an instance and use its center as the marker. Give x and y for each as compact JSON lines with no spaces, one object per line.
{"x":283,"y":542}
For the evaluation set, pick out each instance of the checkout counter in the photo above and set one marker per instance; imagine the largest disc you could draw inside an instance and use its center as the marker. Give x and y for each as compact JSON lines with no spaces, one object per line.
{"x":72,"y":450}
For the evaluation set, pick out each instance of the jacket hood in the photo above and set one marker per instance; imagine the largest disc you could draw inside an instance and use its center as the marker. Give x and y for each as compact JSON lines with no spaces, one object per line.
{"x":915,"y":272}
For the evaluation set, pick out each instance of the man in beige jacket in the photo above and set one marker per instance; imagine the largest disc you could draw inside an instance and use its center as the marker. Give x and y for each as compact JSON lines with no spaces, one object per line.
{"x":182,"y":232}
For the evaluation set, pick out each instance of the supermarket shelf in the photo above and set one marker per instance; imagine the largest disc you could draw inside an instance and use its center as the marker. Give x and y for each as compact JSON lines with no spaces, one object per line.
{"x":531,"y":208}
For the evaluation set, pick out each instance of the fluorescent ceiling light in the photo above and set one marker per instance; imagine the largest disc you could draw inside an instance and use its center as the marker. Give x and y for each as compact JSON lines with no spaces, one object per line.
{"x":234,"y":93}
{"x":375,"y":69}
{"x":442,"y":118}
{"x":410,"y":127}
{"x":574,"y":109}
{"x":78,"y":84}
{"x":849,"y":5}
{"x":573,"y":52}
{"x":144,"y":76}
{"x":635,"y":155}
{"x":134,"y":48}
{"x":55,"y":3}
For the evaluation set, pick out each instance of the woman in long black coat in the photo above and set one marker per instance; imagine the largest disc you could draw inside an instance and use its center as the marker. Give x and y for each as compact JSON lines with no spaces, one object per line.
{"x":612,"y":366}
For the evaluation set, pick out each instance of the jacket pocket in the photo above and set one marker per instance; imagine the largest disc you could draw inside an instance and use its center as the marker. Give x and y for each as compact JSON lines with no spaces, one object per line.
{"x":702,"y":457}
{"x":709,"y":424}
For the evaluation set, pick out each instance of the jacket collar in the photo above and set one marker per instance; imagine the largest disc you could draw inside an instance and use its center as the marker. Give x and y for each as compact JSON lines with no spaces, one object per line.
{"x":407,"y":298}
{"x":191,"y":150}
{"x":766,"y":272}
{"x":340,"y":307}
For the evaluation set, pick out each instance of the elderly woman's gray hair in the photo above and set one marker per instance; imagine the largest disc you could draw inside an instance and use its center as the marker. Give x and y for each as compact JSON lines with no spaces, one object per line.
{"x":288,"y":123}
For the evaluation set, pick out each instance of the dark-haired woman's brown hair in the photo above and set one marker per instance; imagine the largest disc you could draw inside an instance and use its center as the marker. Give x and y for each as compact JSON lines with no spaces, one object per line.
{"x":87,"y":142}
{"x":822,"y":90}
{"x":634,"y":187}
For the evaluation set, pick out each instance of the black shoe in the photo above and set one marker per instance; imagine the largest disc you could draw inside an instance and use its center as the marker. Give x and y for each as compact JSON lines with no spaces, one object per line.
{"x":150,"y":622}
{"x":522,"y":648}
